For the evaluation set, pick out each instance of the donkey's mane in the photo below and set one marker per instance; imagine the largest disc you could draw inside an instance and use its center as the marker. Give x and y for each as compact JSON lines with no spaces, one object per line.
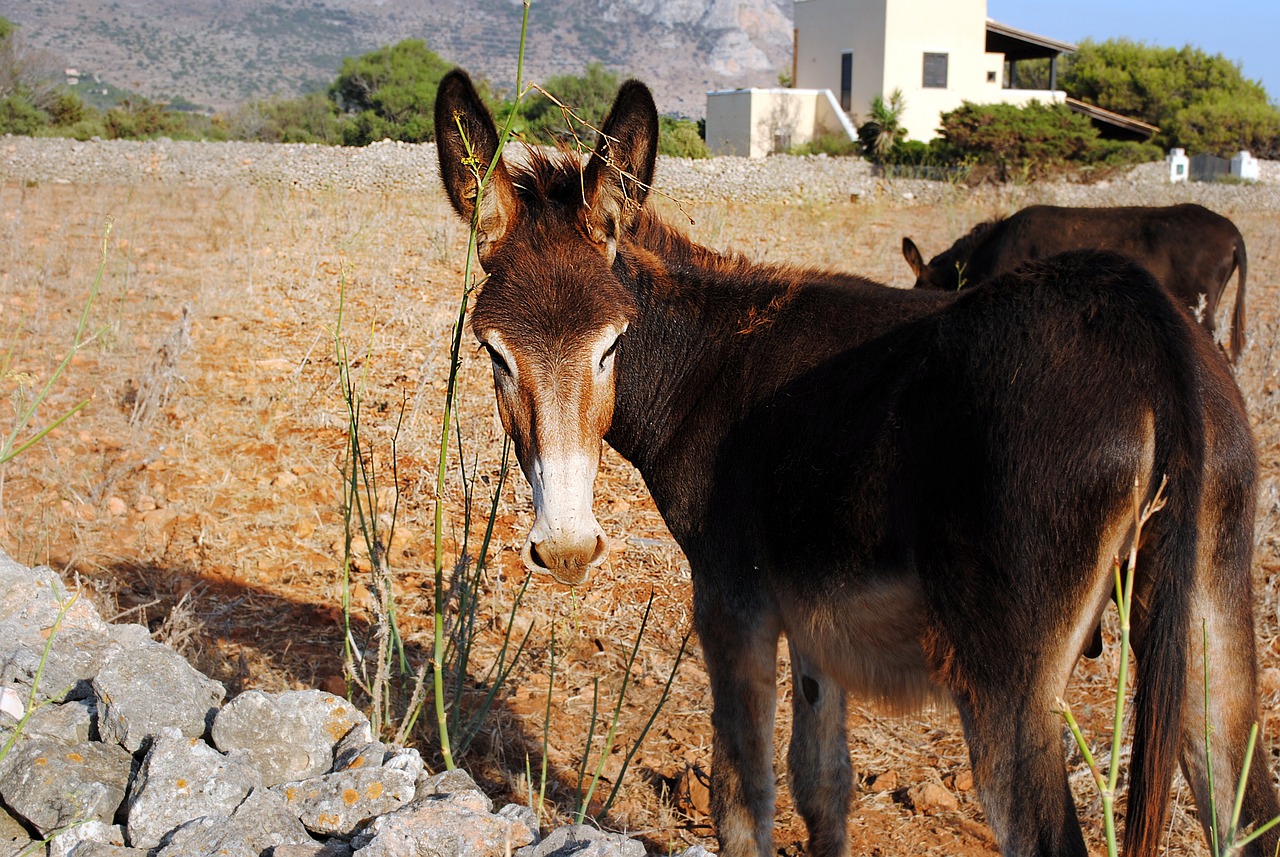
{"x":544,"y":176}
{"x":745,"y":294}
{"x":966,"y":244}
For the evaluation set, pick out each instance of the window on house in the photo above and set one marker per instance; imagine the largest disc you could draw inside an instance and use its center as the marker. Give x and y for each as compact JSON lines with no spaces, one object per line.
{"x":846,"y":80}
{"x":991,"y":77}
{"x":935,"y":71}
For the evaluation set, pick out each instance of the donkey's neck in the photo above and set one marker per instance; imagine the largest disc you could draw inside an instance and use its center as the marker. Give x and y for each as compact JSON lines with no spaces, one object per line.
{"x":671,"y":356}
{"x":716,"y":337}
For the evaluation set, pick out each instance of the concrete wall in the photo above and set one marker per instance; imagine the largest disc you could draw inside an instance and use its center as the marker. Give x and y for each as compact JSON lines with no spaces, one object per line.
{"x":746,"y":122}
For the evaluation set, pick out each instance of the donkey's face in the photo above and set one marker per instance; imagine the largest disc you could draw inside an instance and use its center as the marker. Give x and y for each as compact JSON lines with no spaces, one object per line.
{"x":552,"y":313}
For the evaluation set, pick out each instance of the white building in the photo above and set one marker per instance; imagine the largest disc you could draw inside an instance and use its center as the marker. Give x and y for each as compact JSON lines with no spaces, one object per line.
{"x":938,"y":53}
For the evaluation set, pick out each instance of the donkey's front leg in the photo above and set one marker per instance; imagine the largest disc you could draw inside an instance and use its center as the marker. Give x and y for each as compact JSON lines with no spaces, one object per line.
{"x":741,"y":651}
{"x":818,"y":759}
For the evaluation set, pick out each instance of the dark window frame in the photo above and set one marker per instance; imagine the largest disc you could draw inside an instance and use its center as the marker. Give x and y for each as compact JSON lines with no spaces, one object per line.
{"x":935,"y":70}
{"x":846,"y":80}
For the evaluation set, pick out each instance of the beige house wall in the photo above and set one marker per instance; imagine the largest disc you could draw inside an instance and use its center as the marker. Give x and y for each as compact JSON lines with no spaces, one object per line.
{"x":889,"y":40}
{"x":820,"y":45}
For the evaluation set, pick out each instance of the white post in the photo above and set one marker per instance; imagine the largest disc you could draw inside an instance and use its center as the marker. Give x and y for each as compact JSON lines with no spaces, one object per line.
{"x":1179,"y":165}
{"x":1245,"y":166}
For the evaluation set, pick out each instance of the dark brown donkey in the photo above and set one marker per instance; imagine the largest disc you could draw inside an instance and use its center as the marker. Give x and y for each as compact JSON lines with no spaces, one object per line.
{"x":923,"y":491}
{"x":1191,"y":250}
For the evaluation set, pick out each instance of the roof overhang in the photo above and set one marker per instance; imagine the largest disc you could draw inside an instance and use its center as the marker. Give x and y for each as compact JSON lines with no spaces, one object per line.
{"x":1018,"y":44}
{"x":1123,"y":127}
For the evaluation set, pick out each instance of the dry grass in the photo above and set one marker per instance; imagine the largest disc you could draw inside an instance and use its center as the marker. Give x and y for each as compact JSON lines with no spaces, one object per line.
{"x":216,"y":519}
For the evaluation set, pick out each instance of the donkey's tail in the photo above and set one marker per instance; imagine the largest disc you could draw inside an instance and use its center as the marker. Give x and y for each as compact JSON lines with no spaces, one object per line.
{"x":1166,"y":573}
{"x":1237,"y":314}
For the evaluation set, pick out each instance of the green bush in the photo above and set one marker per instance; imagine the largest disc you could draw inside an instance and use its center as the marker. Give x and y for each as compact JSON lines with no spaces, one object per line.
{"x":833,"y":145}
{"x":390,"y":93}
{"x":1039,"y":133}
{"x":1118,"y":153}
{"x":313,"y":118}
{"x":143,"y":119}
{"x":20,"y":116}
{"x":680,"y":137}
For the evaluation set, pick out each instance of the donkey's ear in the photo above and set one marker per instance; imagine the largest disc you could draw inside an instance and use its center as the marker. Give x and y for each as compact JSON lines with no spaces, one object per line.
{"x":911,"y":253}
{"x":466,"y":142}
{"x":618,"y":176}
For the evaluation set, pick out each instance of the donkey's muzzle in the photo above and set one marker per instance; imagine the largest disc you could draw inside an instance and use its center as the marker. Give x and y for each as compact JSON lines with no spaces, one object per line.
{"x":568,"y":561}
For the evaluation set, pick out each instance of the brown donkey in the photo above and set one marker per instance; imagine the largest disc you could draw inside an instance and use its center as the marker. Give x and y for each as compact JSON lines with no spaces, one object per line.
{"x":1191,"y":250}
{"x":923,"y":491}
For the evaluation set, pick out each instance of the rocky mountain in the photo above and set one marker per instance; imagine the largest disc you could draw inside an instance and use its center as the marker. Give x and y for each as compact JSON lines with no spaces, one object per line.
{"x":225,"y":52}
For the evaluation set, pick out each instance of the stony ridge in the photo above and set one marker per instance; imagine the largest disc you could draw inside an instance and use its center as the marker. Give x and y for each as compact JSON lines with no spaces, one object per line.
{"x":393,"y":166}
{"x":112,"y":745}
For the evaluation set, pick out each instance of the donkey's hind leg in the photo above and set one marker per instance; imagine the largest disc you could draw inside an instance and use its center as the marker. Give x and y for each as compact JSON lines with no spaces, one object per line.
{"x":1019,"y":767}
{"x":1222,"y":630}
{"x":818,"y":758}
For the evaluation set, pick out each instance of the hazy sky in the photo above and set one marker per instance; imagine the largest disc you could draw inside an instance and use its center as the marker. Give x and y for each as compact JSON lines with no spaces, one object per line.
{"x":1247,"y":31}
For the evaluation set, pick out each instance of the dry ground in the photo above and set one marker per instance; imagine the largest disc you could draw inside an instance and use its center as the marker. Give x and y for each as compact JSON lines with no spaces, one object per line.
{"x":199,"y":492}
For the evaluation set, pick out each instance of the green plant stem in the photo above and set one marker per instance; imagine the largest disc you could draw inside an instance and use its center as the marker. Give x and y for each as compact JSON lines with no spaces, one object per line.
{"x":617,"y":714}
{"x":32,"y":706}
{"x":438,"y":649}
{"x":546,"y":724}
{"x":8,"y":451}
{"x":653,"y":715}
{"x":1208,"y":751}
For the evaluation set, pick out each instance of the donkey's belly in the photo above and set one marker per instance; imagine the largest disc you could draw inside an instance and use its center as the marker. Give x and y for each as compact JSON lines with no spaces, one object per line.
{"x":866,"y":637}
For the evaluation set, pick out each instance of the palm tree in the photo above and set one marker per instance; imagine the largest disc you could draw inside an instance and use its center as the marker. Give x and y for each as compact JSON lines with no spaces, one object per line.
{"x":883,"y":128}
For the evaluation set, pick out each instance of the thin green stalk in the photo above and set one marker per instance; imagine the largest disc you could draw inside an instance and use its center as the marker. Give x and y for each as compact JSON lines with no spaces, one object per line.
{"x":500,"y":666}
{"x":1107,"y":787}
{"x":1208,"y":752}
{"x":653,"y":715}
{"x":591,"y":731}
{"x":617,"y":714}
{"x":438,"y":650}
{"x":1244,"y":779}
{"x":11,"y":448}
{"x":546,"y":724}
{"x":32,"y":705}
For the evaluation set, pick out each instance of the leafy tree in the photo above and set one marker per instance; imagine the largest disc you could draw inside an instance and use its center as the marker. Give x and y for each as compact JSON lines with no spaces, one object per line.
{"x":589,"y":95}
{"x":19,"y":116}
{"x":390,"y":93}
{"x":26,"y":73}
{"x":1200,"y":101}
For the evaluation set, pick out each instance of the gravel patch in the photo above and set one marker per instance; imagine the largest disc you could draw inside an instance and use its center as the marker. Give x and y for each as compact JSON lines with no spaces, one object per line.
{"x":393,"y":166}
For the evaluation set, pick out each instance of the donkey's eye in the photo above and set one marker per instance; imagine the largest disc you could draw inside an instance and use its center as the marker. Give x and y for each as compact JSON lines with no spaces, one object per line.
{"x":498,"y":362}
{"x":608,"y":352}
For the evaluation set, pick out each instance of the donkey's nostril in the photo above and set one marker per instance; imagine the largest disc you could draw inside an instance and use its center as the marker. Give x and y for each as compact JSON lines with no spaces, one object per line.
{"x":536,"y":556}
{"x":601,"y":551}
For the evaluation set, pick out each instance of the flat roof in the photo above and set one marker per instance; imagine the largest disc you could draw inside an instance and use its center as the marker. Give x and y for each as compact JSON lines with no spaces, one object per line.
{"x":1021,"y":45}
